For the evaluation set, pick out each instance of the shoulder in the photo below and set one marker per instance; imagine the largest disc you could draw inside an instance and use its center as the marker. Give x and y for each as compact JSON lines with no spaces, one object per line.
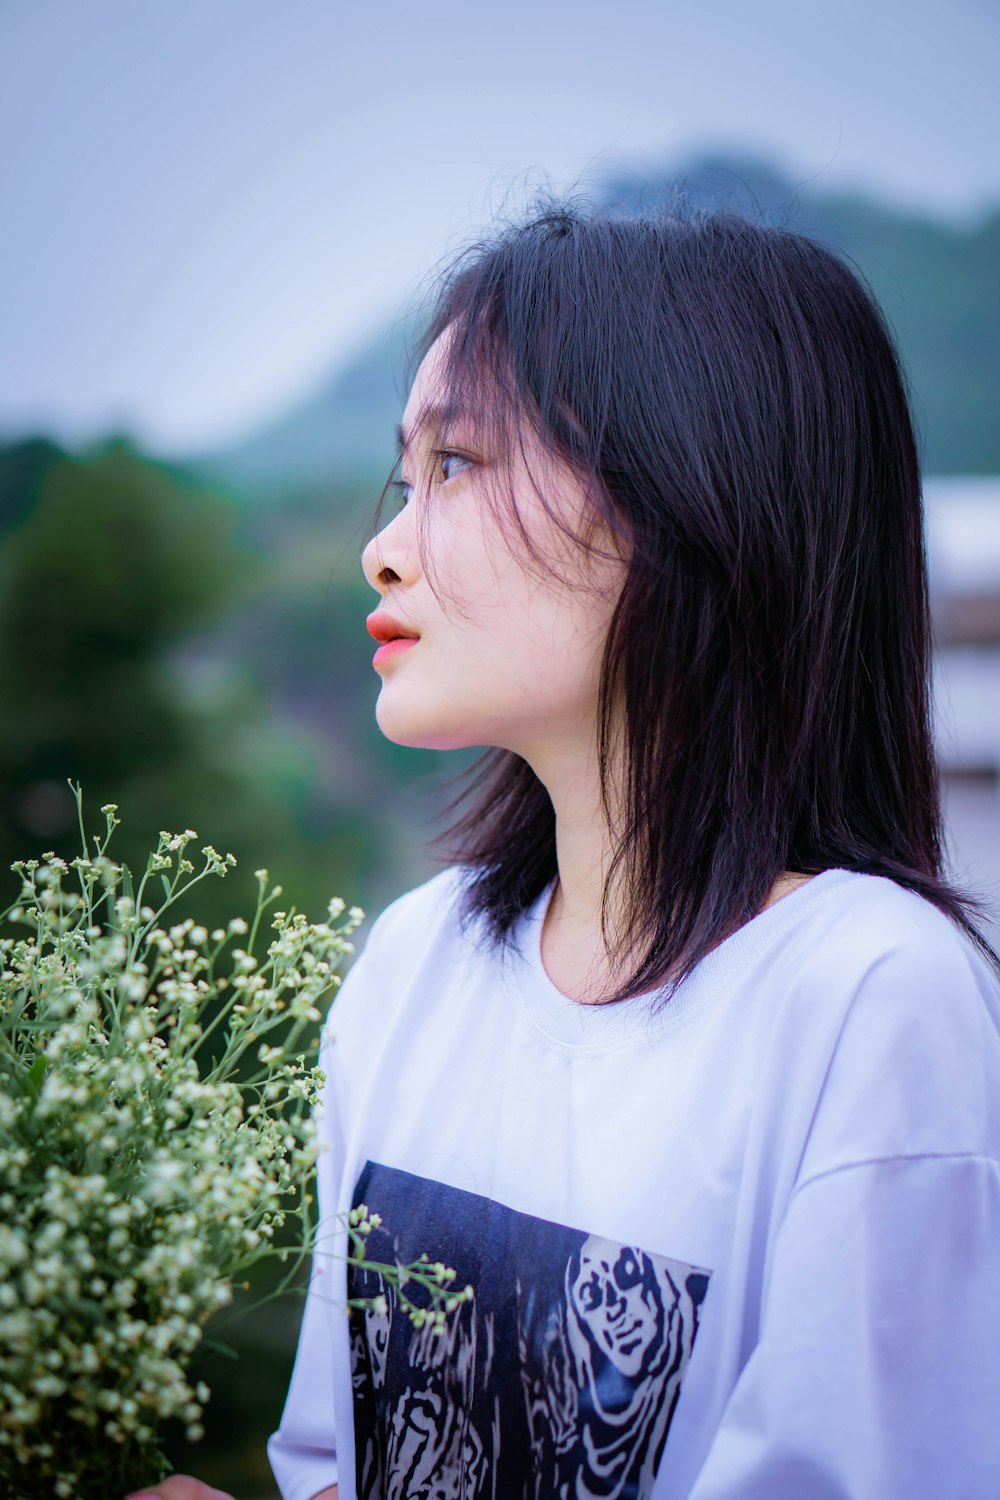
{"x":851,"y":948}
{"x":861,"y":928}
{"x":417,"y":932}
{"x":417,"y":918}
{"x":903,"y":1015}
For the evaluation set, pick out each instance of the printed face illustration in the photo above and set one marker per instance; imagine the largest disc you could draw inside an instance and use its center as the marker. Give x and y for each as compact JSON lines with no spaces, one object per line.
{"x":616,"y":1294}
{"x":560,"y":1378}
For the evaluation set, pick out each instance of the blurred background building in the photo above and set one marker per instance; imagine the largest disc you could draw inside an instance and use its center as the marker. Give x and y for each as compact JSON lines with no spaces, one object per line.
{"x":221,"y":217}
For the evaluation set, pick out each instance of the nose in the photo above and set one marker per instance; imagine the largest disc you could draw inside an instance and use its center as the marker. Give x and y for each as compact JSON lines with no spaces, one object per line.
{"x":389,"y":557}
{"x":615,"y":1303}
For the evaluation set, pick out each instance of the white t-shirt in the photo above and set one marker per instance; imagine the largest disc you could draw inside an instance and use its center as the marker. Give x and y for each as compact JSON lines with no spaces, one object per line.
{"x":745,"y":1249}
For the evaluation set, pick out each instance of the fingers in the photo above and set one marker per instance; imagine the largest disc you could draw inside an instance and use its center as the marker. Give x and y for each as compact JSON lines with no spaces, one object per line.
{"x":179,"y":1487}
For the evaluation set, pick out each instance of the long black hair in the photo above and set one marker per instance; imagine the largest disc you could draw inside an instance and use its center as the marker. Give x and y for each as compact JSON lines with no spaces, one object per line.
{"x":730,"y":394}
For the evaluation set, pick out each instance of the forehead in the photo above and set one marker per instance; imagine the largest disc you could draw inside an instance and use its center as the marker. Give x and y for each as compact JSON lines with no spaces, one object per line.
{"x":427,"y":392}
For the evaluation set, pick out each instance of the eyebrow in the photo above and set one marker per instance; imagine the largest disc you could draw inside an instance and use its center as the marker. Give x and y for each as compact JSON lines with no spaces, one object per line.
{"x":433,"y":415}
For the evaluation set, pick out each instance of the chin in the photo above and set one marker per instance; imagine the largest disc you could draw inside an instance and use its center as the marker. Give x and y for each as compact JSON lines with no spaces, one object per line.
{"x":419,"y":728}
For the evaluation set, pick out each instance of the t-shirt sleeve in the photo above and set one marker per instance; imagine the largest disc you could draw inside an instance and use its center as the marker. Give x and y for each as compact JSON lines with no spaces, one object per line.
{"x":303,"y":1452}
{"x":877,"y":1371}
{"x":874,"y":1372}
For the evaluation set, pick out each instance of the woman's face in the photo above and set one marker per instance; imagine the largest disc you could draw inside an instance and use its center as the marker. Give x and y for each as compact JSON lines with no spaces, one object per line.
{"x":510,"y":657}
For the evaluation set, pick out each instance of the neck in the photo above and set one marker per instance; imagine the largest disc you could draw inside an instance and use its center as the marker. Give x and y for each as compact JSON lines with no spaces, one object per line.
{"x":573,"y":950}
{"x":574,"y":954}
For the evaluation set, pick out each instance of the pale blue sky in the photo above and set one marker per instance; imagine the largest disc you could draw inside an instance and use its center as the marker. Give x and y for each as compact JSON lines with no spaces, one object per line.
{"x":209,"y":204}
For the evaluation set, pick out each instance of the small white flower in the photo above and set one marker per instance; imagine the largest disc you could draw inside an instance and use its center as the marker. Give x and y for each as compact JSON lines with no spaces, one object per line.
{"x":147,"y":1173}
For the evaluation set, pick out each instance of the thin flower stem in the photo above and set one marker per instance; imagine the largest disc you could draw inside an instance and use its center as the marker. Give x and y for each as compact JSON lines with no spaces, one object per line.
{"x":145,"y":1178}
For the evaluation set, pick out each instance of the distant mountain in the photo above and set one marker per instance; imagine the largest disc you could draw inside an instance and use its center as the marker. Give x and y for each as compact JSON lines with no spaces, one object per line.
{"x":341,"y":437}
{"x":937,"y":281}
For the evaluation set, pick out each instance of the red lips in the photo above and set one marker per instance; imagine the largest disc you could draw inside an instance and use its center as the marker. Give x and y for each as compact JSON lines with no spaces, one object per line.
{"x":384,"y":628}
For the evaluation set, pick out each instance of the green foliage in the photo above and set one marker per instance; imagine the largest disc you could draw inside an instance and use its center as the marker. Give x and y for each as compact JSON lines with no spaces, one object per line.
{"x":110,"y":586}
{"x":113,"y":563}
{"x":22,"y":470}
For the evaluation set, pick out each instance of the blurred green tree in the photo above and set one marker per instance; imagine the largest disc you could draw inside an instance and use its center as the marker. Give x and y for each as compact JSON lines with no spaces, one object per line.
{"x":112,"y":563}
{"x":111,"y":578}
{"x":116,"y":578}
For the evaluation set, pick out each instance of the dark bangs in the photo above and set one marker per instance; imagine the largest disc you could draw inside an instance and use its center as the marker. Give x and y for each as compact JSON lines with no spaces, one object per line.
{"x":730,"y":395}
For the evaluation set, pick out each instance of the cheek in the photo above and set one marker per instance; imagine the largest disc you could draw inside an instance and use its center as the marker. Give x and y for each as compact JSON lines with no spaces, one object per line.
{"x":526,"y":645}
{"x":510,"y":642}
{"x":529,"y":652}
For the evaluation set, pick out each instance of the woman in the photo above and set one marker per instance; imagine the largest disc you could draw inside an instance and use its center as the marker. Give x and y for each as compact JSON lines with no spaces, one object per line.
{"x":689,"y":1059}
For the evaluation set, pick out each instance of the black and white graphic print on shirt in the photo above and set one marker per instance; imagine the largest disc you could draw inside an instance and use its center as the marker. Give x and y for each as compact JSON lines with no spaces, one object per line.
{"x":558,"y":1382}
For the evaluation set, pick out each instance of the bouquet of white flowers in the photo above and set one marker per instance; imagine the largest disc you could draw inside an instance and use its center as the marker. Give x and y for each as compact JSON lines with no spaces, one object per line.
{"x":155,"y":1131}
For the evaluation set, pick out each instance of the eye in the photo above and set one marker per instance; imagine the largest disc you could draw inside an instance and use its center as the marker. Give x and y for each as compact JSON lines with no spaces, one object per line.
{"x":446,"y":456}
{"x":590,"y":1294}
{"x":627,"y":1271}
